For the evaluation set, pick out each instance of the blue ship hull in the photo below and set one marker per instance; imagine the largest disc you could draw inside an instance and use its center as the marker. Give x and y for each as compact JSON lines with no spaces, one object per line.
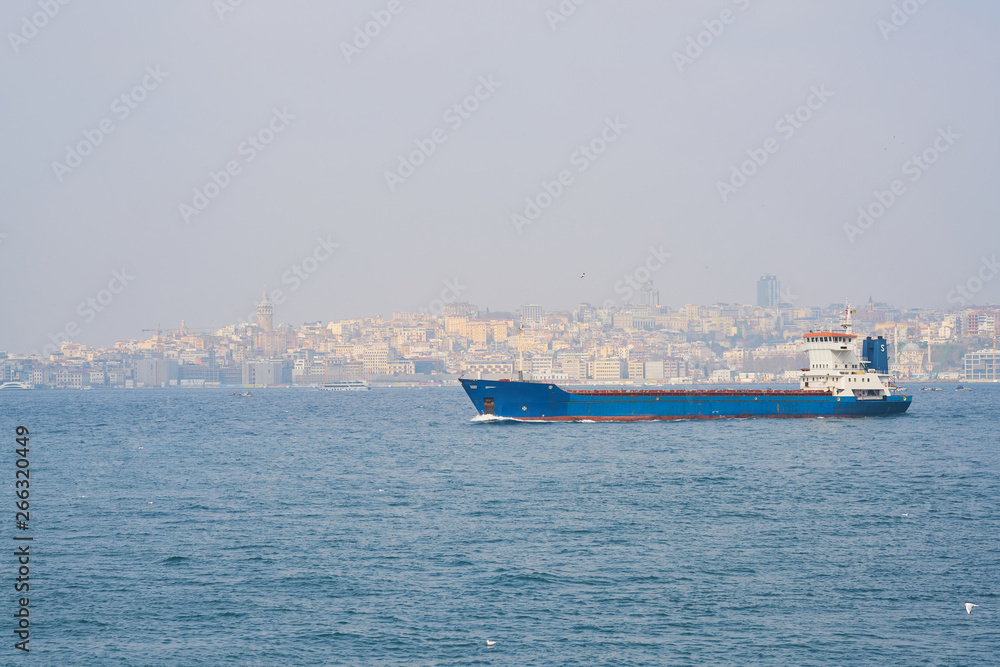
{"x":539,"y":401}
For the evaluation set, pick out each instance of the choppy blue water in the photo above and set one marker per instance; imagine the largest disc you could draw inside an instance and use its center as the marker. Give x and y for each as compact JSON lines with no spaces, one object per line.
{"x":185,"y":527}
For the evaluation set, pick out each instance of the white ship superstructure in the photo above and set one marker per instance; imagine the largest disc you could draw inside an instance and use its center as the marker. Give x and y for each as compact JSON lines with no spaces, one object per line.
{"x":836,"y":367}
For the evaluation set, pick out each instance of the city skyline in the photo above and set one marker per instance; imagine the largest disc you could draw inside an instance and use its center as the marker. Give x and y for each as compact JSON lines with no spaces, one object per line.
{"x":643,"y":292}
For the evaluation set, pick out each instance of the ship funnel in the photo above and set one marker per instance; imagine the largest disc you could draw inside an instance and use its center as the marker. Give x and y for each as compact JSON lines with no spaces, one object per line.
{"x":875,"y":354}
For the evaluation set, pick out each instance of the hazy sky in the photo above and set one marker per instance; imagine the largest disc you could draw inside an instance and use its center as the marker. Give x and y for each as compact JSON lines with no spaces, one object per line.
{"x":116,"y":113}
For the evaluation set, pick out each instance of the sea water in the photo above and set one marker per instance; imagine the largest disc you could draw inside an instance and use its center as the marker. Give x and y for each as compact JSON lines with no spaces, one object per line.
{"x":298,"y":527}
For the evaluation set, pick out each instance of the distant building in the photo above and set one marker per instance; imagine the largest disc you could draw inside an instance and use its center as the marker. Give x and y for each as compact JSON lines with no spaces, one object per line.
{"x":531,"y":314}
{"x":608,"y":370}
{"x":911,"y":360}
{"x":723,"y":375}
{"x":376,"y":360}
{"x":262,"y":373}
{"x":981,"y":323}
{"x":675,"y":367}
{"x":768,"y":295}
{"x":155,"y":372}
{"x":480,"y":368}
{"x":400,"y":368}
{"x":982,"y":365}
{"x":648,"y":295}
{"x":265,"y":314}
{"x":463,"y":309}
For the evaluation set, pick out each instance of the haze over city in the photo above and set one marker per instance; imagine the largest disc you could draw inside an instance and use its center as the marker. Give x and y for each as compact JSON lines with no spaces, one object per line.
{"x":364,"y":158}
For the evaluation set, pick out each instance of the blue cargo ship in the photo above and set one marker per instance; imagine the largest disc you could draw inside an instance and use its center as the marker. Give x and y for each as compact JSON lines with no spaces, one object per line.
{"x":838,"y":383}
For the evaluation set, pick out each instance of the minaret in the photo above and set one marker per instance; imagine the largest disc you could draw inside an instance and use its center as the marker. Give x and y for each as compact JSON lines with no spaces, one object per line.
{"x":264,"y":313}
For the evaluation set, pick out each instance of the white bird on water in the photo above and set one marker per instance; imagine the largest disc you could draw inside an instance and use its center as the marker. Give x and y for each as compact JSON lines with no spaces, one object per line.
{"x":969,"y":606}
{"x":490,"y":643}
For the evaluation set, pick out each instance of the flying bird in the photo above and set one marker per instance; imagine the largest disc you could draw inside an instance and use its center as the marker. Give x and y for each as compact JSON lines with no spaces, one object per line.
{"x":583,"y":274}
{"x":969,"y":606}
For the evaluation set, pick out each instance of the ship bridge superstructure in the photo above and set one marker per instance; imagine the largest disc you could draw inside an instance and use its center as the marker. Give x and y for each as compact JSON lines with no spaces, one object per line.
{"x":836,"y":367}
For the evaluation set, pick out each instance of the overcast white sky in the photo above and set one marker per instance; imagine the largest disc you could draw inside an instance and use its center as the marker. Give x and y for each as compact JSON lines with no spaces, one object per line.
{"x":680,"y":126}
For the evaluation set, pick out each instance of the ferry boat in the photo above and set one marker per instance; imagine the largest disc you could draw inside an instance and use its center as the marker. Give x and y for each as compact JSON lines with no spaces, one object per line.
{"x":345,"y":385}
{"x":838,"y":383}
{"x":14,"y":384}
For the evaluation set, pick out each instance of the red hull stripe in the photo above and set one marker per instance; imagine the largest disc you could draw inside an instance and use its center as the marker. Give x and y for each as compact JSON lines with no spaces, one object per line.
{"x":632,"y":393}
{"x":657,"y":418}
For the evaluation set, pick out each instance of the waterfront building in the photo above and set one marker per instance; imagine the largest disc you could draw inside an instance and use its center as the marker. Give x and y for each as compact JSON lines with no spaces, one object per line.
{"x":609,"y":370}
{"x":982,"y":365}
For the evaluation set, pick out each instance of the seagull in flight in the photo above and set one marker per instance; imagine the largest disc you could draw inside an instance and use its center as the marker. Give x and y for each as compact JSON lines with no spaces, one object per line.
{"x":969,"y":606}
{"x":583,"y":274}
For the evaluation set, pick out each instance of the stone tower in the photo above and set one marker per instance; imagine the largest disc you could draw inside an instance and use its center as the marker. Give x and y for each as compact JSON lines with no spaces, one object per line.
{"x":265,"y":312}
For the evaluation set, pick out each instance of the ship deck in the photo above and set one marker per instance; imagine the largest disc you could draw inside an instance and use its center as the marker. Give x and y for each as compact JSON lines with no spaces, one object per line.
{"x":638,"y":393}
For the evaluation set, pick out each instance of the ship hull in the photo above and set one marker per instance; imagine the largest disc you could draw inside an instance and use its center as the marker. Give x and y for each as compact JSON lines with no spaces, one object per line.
{"x":538,"y":401}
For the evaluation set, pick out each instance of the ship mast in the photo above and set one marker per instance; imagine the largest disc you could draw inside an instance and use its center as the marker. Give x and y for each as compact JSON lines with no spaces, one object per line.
{"x":520,"y":355}
{"x":846,"y":321}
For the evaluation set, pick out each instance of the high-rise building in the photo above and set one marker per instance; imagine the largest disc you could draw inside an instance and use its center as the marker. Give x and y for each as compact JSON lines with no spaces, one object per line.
{"x":265,"y":313}
{"x":768,"y":295}
{"x":648,"y":295}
